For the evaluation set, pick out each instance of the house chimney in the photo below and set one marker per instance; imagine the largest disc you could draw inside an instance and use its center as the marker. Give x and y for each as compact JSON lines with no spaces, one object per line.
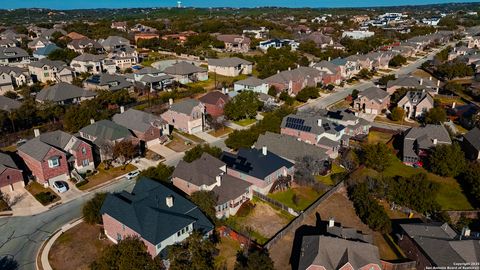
{"x":289,"y":68}
{"x":122,"y":109}
{"x":278,"y":71}
{"x":264,"y":150}
{"x":319,"y":122}
{"x":170,"y":101}
{"x":421,"y":81}
{"x":430,"y":78}
{"x":169,"y":201}
{"x":466,"y":232}
{"x":218,"y":179}
{"x":435,"y":141}
{"x":438,"y":83}
{"x":453,"y":105}
{"x":331,"y":222}
{"x":92,"y":121}
{"x":329,"y":58}
{"x":36,"y":132}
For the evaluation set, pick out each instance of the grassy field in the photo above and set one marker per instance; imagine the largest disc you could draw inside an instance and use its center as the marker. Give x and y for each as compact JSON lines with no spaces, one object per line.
{"x":378,"y":137}
{"x":304,"y":197}
{"x":227,"y":253}
{"x":245,"y":122}
{"x":221,"y":132}
{"x":104,"y":175}
{"x":327,"y":179}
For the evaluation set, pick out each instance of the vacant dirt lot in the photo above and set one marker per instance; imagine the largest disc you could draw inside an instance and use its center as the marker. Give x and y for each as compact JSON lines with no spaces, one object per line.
{"x":77,"y":248}
{"x":266,"y":220}
{"x":339,"y":207}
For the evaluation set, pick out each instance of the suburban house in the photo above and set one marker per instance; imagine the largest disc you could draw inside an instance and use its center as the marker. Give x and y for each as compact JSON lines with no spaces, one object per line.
{"x":437,"y":245}
{"x":235,"y":43}
{"x":348,"y":68}
{"x":85,"y":45}
{"x":210,"y":174}
{"x":471,"y":144}
{"x":214,"y":103}
{"x":156,"y":214}
{"x":474,"y":42}
{"x":358,"y":34}
{"x":114,"y":42}
{"x":46,"y":70}
{"x":230,"y":67}
{"x":261,"y":167}
{"x":89,"y":63}
{"x":14,"y":56}
{"x":52,"y":156}
{"x":124,"y":57}
{"x":122,"y":26}
{"x":187,"y":116}
{"x":258,"y":33}
{"x":145,"y":36}
{"x":104,"y":134}
{"x":419,"y":141}
{"x":184,"y":72}
{"x":414,"y":83}
{"x":153,"y":78}
{"x":251,"y":84}
{"x":181,"y":37}
{"x":8,"y":43}
{"x":38,"y":43}
{"x":321,"y":40}
{"x":372,"y":100}
{"x":109,"y":82}
{"x":11,"y":177}
{"x":12,"y":77}
{"x":362,"y":61}
{"x":294,"y":80}
{"x":332,"y":74}
{"x":149,"y":128}
{"x":277,"y":44}
{"x":416,"y":103}
{"x":64,"y":93}
{"x":43,"y":52}
{"x":8,"y":104}
{"x":379,"y":60}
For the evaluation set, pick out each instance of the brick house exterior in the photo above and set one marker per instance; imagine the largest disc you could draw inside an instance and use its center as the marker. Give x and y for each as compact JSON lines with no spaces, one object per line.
{"x":292,"y":81}
{"x":187,"y":115}
{"x":214,"y":103}
{"x":372,"y":100}
{"x":11,"y":177}
{"x":235,"y":43}
{"x":416,"y":103}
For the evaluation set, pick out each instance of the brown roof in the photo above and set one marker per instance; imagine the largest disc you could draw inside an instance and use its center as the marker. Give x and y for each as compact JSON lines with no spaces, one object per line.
{"x":213,"y":97}
{"x":75,"y":35}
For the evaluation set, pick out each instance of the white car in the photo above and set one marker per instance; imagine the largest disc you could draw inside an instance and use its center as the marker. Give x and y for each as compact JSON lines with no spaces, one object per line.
{"x":132,"y":174}
{"x":60,"y":186}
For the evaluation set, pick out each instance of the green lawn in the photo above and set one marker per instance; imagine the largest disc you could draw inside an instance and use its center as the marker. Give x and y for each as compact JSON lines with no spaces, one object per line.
{"x":245,"y":122}
{"x":305,"y":197}
{"x":327,"y":179}
{"x":103,"y":175}
{"x":219,"y":79}
{"x":378,"y":137}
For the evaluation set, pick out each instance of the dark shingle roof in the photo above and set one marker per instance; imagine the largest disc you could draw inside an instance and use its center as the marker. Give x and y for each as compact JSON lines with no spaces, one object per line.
{"x":251,"y":81}
{"x":185,"y":106}
{"x":8,"y":104}
{"x":230,"y":189}
{"x":228,"y":62}
{"x":145,"y":211}
{"x":137,"y":120}
{"x":63,"y":91}
{"x":39,"y":146}
{"x":201,"y":171}
{"x":374,"y":93}
{"x":107,"y":130}
{"x":213,"y":97}
{"x":87,"y":57}
{"x":254,"y":163}
{"x":6,"y":161}
{"x":12,"y":52}
{"x":114,"y":81}
{"x":473,"y":137}
{"x":183,"y":68}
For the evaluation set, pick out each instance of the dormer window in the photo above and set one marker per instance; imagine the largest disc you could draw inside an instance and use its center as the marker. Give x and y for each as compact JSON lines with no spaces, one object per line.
{"x":54,"y":162}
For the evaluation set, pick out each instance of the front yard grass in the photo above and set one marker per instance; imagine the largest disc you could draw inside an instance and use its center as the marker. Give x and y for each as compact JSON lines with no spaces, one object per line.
{"x":245,"y":122}
{"x":178,"y":144}
{"x":297,"y":198}
{"x":103,"y":175}
{"x":44,"y":195}
{"x":191,"y":137}
{"x":77,"y":248}
{"x":220,"y":132}
{"x":381,"y":119}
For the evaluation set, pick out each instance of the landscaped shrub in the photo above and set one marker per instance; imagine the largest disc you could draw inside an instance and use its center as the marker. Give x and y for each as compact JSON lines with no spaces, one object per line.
{"x":79,"y":184}
{"x":45,"y":197}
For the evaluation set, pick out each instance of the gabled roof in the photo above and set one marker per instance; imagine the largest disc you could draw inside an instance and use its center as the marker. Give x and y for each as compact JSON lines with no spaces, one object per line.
{"x":106,"y":130}
{"x":183,"y":68}
{"x":8,"y":104}
{"x":79,"y":43}
{"x":254,"y":163}
{"x":327,"y":65}
{"x":230,"y":189}
{"x":106,"y":79}
{"x":312,"y":122}
{"x":185,"y":106}
{"x":415,"y":97}
{"x":87,"y":57}
{"x":298,"y":74}
{"x":39,"y":146}
{"x":39,"y":39}
{"x":145,"y":211}
{"x":228,"y":62}
{"x":75,"y":35}
{"x":47,"y":62}
{"x":63,"y":91}
{"x":201,"y":171}
{"x":46,"y":50}
{"x":12,"y":52}
{"x":113,"y":41}
{"x":374,"y":93}
{"x":473,"y":137}
{"x":251,"y":81}
{"x":213,"y":97}
{"x":411,"y":82}
{"x":424,"y":138}
{"x":136,"y":120}
{"x":6,"y":161}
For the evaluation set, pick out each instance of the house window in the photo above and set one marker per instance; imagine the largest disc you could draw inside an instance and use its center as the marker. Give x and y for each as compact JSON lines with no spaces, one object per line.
{"x":8,"y":177}
{"x":85,"y":162}
{"x":84,"y":150}
{"x":54,"y":162}
{"x":178,"y":233}
{"x":159,"y":245}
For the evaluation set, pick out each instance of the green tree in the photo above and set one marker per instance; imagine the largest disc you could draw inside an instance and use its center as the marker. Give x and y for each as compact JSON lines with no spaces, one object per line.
{"x":386,"y":78}
{"x":307,"y":93}
{"x":161,"y":173}
{"x":397,"y":61}
{"x":272,"y":91}
{"x":254,"y":260}
{"x":447,"y":160}
{"x":399,"y":94}
{"x":10,"y":94}
{"x":355,"y":93}
{"x":91,"y":209}
{"x":364,"y":74}
{"x":436,"y":115}
{"x":195,"y":253}
{"x":206,"y":201}
{"x":397,"y":114}
{"x":130,"y":253}
{"x":197,"y":151}
{"x":65,"y":55}
{"x":470,"y":179}
{"x":376,"y":156}
{"x":284,"y":96}
{"x":243,"y":105}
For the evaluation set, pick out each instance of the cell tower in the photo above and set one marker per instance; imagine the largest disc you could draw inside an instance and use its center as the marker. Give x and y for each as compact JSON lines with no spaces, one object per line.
{"x":179,"y":4}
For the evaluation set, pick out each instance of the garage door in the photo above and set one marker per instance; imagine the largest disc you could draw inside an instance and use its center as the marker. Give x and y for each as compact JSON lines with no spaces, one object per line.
{"x":374,"y":111}
{"x":196,"y":129}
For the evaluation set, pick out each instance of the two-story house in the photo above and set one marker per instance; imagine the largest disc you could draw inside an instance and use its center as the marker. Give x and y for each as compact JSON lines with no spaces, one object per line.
{"x":187,"y":115}
{"x":64,"y":93}
{"x":153,"y":78}
{"x":235,"y":43}
{"x":12,"y":77}
{"x":251,"y":84}
{"x":277,"y":44}
{"x":214,"y":102}
{"x":294,"y":80}
{"x":184,"y":72}
{"x":112,"y":43}
{"x":471,"y":144}
{"x":46,"y":70}
{"x":230,"y":67}
{"x":153,"y":212}
{"x":332,"y":74}
{"x":85,"y":45}
{"x":416,"y":103}
{"x":210,"y":174}
{"x":261,"y":167}
{"x":109,"y":82}
{"x":14,"y":56}
{"x":411,"y":82}
{"x":11,"y":177}
{"x":87,"y":63}
{"x":372,"y":100}
{"x":419,"y":141}
{"x":52,"y":156}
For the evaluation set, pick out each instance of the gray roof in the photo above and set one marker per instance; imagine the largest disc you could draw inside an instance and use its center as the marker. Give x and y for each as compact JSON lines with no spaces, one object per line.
{"x":289,"y":147}
{"x":415,"y":97}
{"x":423,"y":138}
{"x":8,"y":104}
{"x":12,"y":52}
{"x":39,"y":39}
{"x":6,"y":161}
{"x":136,"y":120}
{"x":185,"y":106}
{"x":230,"y":189}
{"x":374,"y":93}
{"x":145,"y":211}
{"x":298,"y":74}
{"x":63,"y":91}
{"x":106,"y":130}
{"x":333,"y":253}
{"x":228,"y":62}
{"x":105,"y":79}
{"x":87,"y":57}
{"x":312,"y":122}
{"x":411,"y":82}
{"x":153,"y":79}
{"x":183,"y":68}
{"x":148,"y":70}
{"x":252,"y":162}
{"x":39,"y":146}
{"x":78,"y":43}
{"x":113,"y":41}
{"x":473,"y":137}
{"x":201,"y":171}
{"x":46,"y":62}
{"x":15,"y":70}
{"x":251,"y":81}
{"x":327,"y":65}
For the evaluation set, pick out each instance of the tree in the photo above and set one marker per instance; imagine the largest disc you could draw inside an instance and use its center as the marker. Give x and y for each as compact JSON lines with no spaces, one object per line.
{"x":355,"y":93}
{"x":435,"y":115}
{"x":447,"y":160}
{"x":305,"y":169}
{"x":65,"y":55}
{"x":195,"y":253}
{"x":376,"y":156}
{"x":451,"y":70}
{"x":385,"y":79}
{"x":124,"y":151}
{"x":243,"y":105}
{"x":254,"y":260}
{"x":206,"y":201}
{"x":470,"y":179}
{"x":197,"y":151}
{"x":307,"y":93}
{"x":284,"y":96}
{"x":397,"y":114}
{"x":91,"y":209}
{"x":364,"y":74}
{"x":399,"y":94}
{"x":349,"y":160}
{"x":272,"y":91}
{"x":11,"y":94}
{"x":397,"y":61}
{"x":130,"y":253}
{"x":161,"y":173}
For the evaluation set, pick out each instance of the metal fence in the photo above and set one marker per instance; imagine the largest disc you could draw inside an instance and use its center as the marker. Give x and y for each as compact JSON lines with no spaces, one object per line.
{"x":275,"y":203}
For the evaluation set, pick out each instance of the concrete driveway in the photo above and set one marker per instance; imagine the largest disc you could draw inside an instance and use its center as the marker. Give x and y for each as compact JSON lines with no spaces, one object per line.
{"x":162,"y":150}
{"x":25,"y":203}
{"x":71,"y":194}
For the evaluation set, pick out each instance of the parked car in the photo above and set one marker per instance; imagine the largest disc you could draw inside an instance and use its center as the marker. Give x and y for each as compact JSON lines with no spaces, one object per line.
{"x":60,"y":186}
{"x":132,"y":174}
